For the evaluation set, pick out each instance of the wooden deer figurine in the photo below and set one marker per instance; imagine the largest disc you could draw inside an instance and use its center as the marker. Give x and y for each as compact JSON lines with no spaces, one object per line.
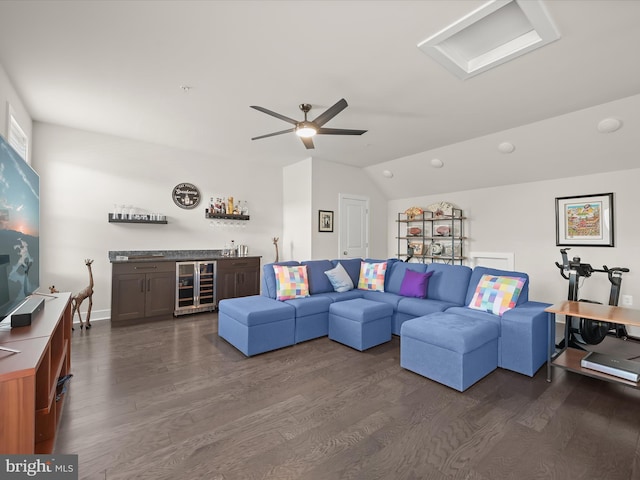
{"x":275,"y":242}
{"x":86,"y":292}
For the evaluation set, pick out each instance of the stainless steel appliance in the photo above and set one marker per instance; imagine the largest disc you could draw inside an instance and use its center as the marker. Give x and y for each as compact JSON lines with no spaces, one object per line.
{"x":195,"y":287}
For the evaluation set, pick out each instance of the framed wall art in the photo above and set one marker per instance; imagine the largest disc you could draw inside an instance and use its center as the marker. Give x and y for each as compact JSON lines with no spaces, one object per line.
{"x":186,"y":195}
{"x":325,"y":221}
{"x":585,"y":220}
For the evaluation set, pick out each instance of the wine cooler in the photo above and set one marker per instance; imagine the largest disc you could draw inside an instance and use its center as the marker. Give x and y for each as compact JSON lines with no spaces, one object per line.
{"x":195,"y":287}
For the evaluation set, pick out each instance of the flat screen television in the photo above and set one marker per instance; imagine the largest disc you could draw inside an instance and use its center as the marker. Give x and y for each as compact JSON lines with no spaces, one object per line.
{"x":19,"y":229}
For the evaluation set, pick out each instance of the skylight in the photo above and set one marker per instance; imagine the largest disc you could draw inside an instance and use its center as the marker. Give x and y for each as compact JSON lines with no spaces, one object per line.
{"x":495,"y":33}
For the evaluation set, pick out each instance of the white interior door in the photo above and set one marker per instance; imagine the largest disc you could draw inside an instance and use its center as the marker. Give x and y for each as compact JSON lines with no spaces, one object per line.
{"x":354,"y":226}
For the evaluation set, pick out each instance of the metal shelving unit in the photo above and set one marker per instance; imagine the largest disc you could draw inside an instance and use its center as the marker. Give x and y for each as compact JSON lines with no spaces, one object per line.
{"x":431,"y":237}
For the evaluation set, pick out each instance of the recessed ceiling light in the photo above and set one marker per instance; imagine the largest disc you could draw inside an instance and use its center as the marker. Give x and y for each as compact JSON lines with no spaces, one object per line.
{"x":436,"y":163}
{"x":493,"y":34}
{"x":506,"y":147}
{"x":609,"y":125}
{"x":387,"y":173}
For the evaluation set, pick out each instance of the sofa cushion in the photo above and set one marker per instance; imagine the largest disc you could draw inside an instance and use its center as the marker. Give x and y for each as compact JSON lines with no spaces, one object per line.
{"x":468,"y":312}
{"x":318,"y":281}
{"x":269,"y":278}
{"x":291,"y":281}
{"x":310,"y":305}
{"x":342,"y":296}
{"x":415,"y":284}
{"x":372,"y":276}
{"x":382,"y":297}
{"x":496,"y":294}
{"x":450,"y":331}
{"x":417,"y":307}
{"x":339,"y":278}
{"x":256,"y":310}
{"x":449,"y":283}
{"x":396,"y":272}
{"x":478,"y":272}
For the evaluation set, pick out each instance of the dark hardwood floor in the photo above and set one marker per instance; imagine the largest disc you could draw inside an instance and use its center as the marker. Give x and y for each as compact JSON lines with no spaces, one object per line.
{"x":171,"y":400}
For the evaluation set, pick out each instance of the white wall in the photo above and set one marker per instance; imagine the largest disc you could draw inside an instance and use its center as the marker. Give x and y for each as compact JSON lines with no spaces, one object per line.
{"x":312,"y":185}
{"x":296,"y":235}
{"x":329,"y":181}
{"x":8,"y":94}
{"x":521,"y":219}
{"x":84,"y":174}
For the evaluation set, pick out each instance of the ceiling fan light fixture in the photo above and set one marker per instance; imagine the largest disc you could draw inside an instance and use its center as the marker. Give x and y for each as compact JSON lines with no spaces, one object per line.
{"x":306,"y":130}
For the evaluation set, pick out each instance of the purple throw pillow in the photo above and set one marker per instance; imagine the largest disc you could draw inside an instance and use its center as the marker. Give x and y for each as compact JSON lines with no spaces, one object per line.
{"x":415,"y":284}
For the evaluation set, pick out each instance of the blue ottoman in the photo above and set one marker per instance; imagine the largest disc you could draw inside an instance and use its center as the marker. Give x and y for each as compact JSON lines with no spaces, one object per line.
{"x":256,"y":324}
{"x":451,"y":349}
{"x":360,"y":323}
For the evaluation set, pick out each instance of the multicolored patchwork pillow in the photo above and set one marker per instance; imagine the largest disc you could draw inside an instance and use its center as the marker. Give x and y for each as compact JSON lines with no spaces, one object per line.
{"x":372,"y":276}
{"x":497,"y":294}
{"x":291,"y":282}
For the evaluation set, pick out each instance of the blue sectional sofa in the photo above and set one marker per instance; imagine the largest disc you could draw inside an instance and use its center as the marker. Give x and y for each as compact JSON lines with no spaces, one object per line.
{"x":440,"y":329}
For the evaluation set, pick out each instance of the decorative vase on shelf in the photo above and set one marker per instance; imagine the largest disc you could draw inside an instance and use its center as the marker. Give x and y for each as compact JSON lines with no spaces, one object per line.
{"x":412,"y":213}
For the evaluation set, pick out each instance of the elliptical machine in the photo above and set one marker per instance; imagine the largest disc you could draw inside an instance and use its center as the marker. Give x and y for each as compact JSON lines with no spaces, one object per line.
{"x":584,"y":331}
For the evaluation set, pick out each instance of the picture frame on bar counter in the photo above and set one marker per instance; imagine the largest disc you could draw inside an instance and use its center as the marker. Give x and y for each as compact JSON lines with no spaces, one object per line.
{"x":585,"y":220}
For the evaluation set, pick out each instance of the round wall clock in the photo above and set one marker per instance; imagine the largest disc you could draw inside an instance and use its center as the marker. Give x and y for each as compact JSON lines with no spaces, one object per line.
{"x":186,"y":195}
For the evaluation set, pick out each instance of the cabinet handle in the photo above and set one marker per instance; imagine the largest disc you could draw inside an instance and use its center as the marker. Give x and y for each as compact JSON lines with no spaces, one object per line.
{"x":141,"y":285}
{"x":146,"y":268}
{"x":148,"y":284}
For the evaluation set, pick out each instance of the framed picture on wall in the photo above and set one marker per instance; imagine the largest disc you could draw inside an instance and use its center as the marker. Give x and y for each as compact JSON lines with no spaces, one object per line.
{"x":585,"y":220}
{"x":325,"y":221}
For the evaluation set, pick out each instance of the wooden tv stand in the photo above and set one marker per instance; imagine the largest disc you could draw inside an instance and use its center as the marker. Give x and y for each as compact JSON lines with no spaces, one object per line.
{"x":30,"y":412}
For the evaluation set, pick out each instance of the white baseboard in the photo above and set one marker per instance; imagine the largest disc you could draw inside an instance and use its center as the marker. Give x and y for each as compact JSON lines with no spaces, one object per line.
{"x":96,"y":316}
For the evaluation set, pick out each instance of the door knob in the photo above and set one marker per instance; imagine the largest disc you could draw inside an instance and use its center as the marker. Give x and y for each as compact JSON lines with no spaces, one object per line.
{"x":345,"y":253}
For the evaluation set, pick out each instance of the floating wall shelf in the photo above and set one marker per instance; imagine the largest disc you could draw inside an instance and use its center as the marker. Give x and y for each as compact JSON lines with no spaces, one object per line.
{"x":226,"y":216}
{"x":135,"y":220}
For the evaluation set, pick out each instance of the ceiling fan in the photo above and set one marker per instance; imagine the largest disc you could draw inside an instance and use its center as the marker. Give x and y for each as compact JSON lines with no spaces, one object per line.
{"x":306,"y":129}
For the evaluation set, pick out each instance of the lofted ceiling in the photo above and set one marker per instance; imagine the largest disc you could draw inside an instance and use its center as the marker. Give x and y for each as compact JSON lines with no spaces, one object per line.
{"x":118,"y":67}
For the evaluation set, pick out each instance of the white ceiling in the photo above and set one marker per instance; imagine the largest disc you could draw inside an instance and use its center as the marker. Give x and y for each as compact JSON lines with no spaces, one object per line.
{"x":116,"y":67}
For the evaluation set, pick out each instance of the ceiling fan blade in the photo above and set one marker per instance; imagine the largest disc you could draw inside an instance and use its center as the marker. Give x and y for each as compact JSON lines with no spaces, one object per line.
{"x":339,"y":131}
{"x":331,"y":112}
{"x":308,"y":142}
{"x":288,"y":130}
{"x":274,"y":114}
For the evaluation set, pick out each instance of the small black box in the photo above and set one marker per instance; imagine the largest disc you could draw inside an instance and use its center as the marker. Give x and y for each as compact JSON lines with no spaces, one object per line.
{"x":23,"y":316}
